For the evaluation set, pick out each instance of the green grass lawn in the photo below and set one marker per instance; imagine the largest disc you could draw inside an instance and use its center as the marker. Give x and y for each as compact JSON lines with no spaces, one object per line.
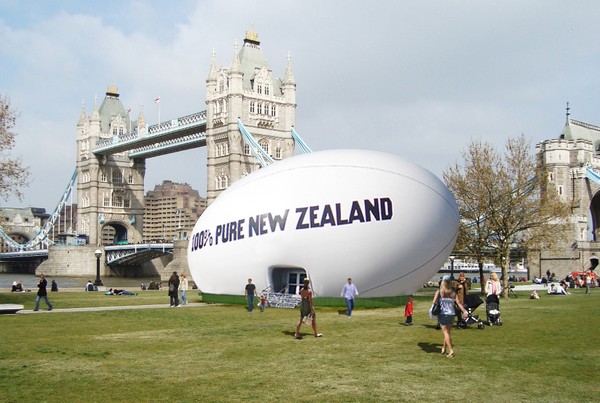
{"x":547,"y":350}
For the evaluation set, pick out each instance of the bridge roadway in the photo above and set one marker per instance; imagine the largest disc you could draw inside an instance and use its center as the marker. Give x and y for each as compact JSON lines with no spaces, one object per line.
{"x":167,"y":137}
{"x":130,"y":254}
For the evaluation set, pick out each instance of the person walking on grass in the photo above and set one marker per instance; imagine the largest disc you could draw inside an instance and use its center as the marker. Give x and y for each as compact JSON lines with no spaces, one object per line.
{"x":349,"y":292}
{"x":42,"y":293}
{"x":250,"y":291}
{"x":183,"y":286}
{"x":307,"y":311}
{"x":448,"y":298}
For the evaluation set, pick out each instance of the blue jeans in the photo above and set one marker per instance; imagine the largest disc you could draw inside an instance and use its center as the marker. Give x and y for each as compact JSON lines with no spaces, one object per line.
{"x":250,"y":303}
{"x":183,"y":297}
{"x":349,"y":305}
{"x":37,"y":302}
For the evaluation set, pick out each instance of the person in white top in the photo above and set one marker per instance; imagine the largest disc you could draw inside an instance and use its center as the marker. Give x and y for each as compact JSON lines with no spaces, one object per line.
{"x":493,"y":287}
{"x":349,"y":292}
{"x":448,"y":298}
{"x":183,"y":286}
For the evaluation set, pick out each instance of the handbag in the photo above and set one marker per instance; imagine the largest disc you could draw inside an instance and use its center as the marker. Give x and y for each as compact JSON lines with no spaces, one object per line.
{"x":435,"y":309}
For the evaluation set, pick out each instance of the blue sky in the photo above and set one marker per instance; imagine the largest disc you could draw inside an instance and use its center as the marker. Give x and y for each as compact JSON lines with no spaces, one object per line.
{"x":416,"y":79}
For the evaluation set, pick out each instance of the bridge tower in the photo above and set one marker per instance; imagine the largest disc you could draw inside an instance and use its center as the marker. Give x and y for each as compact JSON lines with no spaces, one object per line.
{"x":266,"y":105}
{"x":569,"y":162}
{"x":110,"y":189}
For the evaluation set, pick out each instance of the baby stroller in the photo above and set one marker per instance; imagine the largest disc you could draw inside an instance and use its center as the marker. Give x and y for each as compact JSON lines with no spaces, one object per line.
{"x":492,"y":309}
{"x":471,"y":303}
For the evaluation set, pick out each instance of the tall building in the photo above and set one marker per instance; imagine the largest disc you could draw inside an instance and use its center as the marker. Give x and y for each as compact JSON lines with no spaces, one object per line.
{"x":171,"y":212}
{"x":247,"y":90}
{"x":110,"y":189}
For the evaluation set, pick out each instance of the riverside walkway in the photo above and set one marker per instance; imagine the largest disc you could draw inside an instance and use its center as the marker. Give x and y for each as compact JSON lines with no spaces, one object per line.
{"x":109,"y":308}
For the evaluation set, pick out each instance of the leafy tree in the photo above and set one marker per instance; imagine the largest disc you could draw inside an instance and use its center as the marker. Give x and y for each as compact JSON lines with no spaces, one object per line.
{"x":13,"y":175}
{"x":504,"y":204}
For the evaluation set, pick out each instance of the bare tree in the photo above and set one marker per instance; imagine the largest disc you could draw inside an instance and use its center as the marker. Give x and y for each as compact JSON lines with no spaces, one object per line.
{"x":13,"y":175}
{"x":504,"y":204}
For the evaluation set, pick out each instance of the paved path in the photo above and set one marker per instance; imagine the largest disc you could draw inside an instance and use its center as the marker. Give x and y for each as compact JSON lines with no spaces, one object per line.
{"x":110,"y":308}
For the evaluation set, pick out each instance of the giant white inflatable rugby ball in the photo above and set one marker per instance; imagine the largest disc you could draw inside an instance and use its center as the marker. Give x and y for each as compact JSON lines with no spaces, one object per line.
{"x":387,"y":223}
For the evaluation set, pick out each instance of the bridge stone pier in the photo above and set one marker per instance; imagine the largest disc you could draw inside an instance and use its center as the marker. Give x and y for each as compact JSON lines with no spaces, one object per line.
{"x":112,"y":150}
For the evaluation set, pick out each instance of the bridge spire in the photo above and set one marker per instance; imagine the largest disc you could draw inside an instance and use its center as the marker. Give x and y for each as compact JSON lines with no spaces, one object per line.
{"x":142,"y":121}
{"x":82,"y":115}
{"x":251,"y":36}
{"x":95,"y":112}
{"x":289,"y":76}
{"x":568,"y":116}
{"x":236,"y":66}
{"x":212,"y":74}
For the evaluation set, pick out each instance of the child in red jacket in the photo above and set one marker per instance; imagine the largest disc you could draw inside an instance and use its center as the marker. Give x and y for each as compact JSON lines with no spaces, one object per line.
{"x":408,"y":312}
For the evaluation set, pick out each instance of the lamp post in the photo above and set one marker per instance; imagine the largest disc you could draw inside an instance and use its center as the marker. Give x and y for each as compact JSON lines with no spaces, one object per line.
{"x":451,"y":267}
{"x":98,"y":254}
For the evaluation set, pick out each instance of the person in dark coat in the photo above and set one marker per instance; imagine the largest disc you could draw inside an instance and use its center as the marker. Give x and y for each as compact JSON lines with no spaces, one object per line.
{"x":173,"y":289}
{"x":42,"y":293}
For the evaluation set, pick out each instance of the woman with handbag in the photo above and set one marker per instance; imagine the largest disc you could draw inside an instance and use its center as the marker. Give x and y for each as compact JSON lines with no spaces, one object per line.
{"x":307,"y":310}
{"x":448,"y":298}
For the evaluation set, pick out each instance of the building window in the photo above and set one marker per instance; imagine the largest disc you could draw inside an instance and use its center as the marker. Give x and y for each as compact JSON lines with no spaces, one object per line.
{"x":117,"y":176}
{"x":273,"y":110}
{"x":264,"y":144}
{"x":106,"y":201}
{"x":278,"y":153}
{"x":260,"y":108}
{"x":246,"y":149}
{"x":117,"y":201}
{"x":267,"y":89}
{"x":130,"y":179}
{"x":252,"y":107}
{"x":127,"y":202}
{"x":222,"y":182}
{"x":259,"y":88}
{"x":103,"y":176}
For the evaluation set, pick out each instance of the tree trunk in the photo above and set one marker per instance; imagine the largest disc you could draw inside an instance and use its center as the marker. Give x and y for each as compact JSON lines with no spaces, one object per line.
{"x":505,"y":265}
{"x":481,"y":278}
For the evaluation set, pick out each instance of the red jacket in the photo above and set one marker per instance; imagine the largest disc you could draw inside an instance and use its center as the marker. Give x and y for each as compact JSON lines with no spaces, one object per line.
{"x":408,"y":311}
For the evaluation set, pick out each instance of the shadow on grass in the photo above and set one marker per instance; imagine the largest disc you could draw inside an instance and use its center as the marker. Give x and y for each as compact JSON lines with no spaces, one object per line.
{"x":430,"y":347}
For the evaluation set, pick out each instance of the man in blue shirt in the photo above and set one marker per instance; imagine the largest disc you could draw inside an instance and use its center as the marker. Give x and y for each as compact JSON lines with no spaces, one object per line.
{"x":349,"y":292}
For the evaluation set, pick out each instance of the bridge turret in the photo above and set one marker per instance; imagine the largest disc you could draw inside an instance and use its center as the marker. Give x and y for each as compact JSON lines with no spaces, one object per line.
{"x":265,"y":104}
{"x":110,"y":188}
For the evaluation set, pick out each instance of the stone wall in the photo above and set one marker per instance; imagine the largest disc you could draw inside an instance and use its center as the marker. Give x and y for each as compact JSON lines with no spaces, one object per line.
{"x":76,"y":261}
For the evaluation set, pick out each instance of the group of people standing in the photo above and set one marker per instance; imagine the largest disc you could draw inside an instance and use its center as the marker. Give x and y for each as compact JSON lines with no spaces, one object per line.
{"x":178,"y":285}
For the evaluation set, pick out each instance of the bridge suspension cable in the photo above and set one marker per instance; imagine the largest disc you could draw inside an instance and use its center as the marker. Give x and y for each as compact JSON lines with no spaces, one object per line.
{"x":592,"y":175}
{"x":259,"y":153}
{"x":42,"y":235}
{"x":305,"y":148}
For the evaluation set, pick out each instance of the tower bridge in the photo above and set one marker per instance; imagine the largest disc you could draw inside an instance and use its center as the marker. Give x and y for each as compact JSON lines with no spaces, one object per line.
{"x":112,"y":150}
